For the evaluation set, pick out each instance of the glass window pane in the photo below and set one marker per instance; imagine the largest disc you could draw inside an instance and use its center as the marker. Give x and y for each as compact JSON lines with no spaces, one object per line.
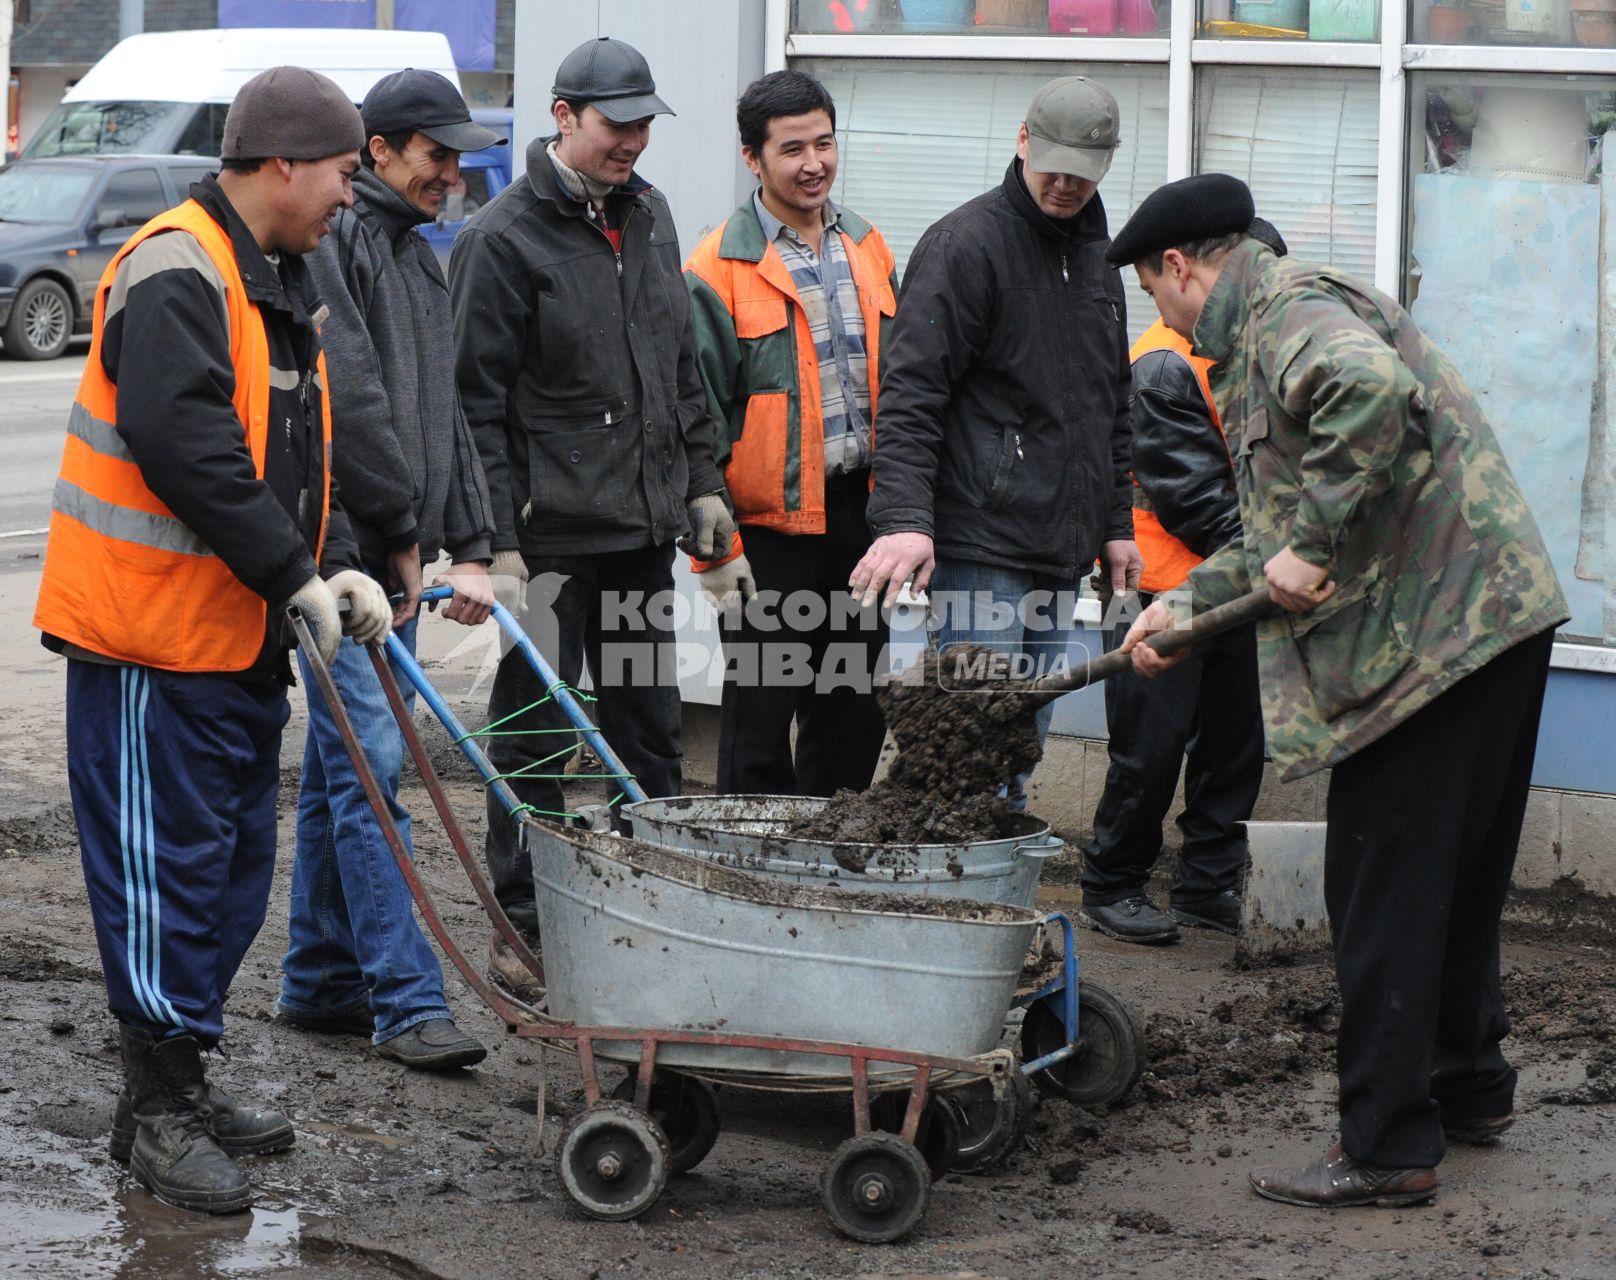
{"x":1511,"y":191}
{"x":1512,"y":22}
{"x":986,"y":17}
{"x":919,"y":139}
{"x":132,"y":198}
{"x":1305,"y":142}
{"x":1291,"y":19}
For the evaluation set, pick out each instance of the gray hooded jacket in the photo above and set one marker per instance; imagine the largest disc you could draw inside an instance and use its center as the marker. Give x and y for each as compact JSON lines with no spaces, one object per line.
{"x":401,"y":449}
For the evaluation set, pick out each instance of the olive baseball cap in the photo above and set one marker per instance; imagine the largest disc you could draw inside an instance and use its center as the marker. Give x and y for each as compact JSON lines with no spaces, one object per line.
{"x":1072,"y":127}
{"x":611,"y":76}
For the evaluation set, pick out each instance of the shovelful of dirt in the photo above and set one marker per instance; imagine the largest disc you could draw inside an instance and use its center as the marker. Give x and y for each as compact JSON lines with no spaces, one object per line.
{"x":961,"y":735}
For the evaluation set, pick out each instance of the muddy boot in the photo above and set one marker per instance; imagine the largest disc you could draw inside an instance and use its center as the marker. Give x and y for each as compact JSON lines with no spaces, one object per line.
{"x":510,"y":974}
{"x":173,"y":1154}
{"x":239,"y":1131}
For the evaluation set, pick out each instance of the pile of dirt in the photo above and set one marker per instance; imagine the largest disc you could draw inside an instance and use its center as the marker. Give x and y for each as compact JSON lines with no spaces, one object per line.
{"x":961,"y":735}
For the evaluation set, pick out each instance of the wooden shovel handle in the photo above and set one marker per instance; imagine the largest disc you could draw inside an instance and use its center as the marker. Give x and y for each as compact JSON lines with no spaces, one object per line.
{"x":1226,"y":617}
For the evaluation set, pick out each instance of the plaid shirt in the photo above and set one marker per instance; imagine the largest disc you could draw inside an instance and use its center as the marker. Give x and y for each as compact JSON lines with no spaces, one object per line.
{"x":830,"y":301}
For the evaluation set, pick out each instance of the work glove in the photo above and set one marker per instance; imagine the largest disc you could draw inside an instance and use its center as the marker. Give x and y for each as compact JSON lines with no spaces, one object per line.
{"x":711,"y":527}
{"x":509,"y":572}
{"x":370,"y":616}
{"x":723,"y":583}
{"x":318,"y":607}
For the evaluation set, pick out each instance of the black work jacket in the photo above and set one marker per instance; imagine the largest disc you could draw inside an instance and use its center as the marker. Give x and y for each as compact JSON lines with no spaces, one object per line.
{"x":577,"y":368}
{"x":1003,"y":429}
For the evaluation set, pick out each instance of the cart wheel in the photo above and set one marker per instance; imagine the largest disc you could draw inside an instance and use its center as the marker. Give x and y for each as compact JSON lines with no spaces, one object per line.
{"x":613,"y":1161}
{"x":687,"y":1110}
{"x":1110,"y":1047}
{"x":991,"y":1127}
{"x":876,"y":1187}
{"x":937,"y":1136}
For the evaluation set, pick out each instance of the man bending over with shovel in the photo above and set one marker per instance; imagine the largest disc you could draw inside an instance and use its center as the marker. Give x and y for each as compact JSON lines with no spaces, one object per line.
{"x":1420,"y":607}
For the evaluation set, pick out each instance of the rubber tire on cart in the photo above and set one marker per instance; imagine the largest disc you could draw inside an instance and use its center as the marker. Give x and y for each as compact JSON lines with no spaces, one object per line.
{"x":991,"y":1127}
{"x":687,"y":1110}
{"x":937,"y":1136}
{"x":1110,"y":1051}
{"x":41,"y":321}
{"x":613,"y":1161}
{"x":876,"y":1187}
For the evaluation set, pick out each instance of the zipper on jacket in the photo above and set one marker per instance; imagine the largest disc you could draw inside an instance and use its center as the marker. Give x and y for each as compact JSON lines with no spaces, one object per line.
{"x":1064,"y":276}
{"x":1020,"y":457}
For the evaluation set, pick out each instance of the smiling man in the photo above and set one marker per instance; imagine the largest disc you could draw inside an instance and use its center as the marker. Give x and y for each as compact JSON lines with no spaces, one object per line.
{"x":577,"y":368}
{"x":810,"y":287}
{"x":1002,"y":467}
{"x":193,"y":507}
{"x":413,"y":485}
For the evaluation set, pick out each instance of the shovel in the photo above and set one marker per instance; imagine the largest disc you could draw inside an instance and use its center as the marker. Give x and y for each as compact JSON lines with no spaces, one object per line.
{"x":1282,"y":912}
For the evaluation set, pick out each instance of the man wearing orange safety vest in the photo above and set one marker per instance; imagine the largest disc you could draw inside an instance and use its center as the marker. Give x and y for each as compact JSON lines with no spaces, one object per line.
{"x":1185,"y":508}
{"x":193,"y":506}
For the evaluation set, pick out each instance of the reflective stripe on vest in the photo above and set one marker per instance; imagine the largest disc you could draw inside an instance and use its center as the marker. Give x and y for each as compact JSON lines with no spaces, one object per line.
{"x":1167,"y":560}
{"x":124,"y":576}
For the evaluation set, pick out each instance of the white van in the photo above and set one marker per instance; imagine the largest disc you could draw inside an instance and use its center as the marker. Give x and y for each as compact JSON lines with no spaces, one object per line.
{"x":166,"y":93}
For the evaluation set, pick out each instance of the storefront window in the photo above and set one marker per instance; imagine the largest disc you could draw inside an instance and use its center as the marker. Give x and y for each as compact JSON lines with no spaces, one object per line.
{"x":987,"y":17}
{"x":1514,"y":22}
{"x":1512,"y":187}
{"x":919,"y":139}
{"x":1304,"y":141}
{"x":1291,"y":19}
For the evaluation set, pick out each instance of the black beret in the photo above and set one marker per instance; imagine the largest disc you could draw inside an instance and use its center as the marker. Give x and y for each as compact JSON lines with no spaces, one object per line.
{"x":1198,"y":208}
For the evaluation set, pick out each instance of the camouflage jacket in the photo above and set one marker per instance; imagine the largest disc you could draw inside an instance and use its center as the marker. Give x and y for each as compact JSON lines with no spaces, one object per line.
{"x":1358,"y":445}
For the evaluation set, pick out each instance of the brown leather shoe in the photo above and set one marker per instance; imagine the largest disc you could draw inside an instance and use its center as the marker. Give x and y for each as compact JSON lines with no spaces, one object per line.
{"x":1481,"y":1131}
{"x":506,"y":971}
{"x":1336,"y":1181}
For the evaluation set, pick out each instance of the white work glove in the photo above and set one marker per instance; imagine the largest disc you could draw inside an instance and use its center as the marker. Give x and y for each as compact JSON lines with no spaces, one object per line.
{"x":711,"y":528}
{"x":509,"y":572}
{"x":724,"y":583}
{"x":370,"y":616}
{"x":314,"y":601}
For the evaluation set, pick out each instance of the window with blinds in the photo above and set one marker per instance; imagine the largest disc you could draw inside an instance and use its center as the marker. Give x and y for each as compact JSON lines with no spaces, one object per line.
{"x":1305,"y":142}
{"x":919,"y":139}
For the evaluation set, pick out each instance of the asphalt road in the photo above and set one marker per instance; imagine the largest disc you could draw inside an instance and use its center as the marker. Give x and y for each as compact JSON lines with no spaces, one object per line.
{"x":34,"y":401}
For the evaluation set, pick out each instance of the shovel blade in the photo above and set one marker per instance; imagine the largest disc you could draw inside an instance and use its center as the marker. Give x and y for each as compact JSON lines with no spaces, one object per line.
{"x":1282,"y":913}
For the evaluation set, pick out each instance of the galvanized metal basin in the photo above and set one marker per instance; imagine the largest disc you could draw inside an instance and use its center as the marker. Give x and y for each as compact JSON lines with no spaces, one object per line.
{"x":748,"y":832}
{"x":640,"y":936}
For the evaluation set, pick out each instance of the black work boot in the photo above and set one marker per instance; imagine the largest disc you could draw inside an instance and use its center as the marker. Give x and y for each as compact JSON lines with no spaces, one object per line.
{"x":1220,"y":911}
{"x":173,"y":1154}
{"x":1135,"y":919}
{"x":239,"y":1130}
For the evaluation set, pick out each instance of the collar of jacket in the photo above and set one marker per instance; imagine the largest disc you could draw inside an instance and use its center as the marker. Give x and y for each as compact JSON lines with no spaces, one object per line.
{"x":744,"y":240}
{"x":263,"y":283}
{"x":541,"y":175}
{"x":1090,"y":223}
{"x":392,"y":212}
{"x":1228,"y":302}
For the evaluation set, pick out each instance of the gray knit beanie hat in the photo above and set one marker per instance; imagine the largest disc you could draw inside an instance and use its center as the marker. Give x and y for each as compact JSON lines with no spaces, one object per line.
{"x":293,"y":113}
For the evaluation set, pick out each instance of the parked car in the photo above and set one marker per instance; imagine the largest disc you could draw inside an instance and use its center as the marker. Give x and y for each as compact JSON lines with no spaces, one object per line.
{"x":167,"y":92}
{"x":61,"y":222}
{"x":483,"y":175}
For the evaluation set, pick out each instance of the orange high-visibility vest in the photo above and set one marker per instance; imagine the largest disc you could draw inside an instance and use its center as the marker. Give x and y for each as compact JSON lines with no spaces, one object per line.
{"x":1167,"y":560}
{"x":123,"y":576}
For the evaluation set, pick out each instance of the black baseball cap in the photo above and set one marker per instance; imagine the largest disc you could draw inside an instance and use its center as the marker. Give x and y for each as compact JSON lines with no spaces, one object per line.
{"x":423,"y":102}
{"x":611,"y":76}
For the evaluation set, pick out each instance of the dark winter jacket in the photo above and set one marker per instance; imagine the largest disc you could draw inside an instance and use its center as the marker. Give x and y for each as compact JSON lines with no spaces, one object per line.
{"x":1179,"y":458}
{"x":577,"y":368}
{"x":400,"y":446}
{"x":1004,"y":396}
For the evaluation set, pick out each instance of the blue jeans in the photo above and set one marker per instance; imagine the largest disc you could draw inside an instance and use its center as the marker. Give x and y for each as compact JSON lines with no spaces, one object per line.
{"x":354,"y":936}
{"x":973,"y":602}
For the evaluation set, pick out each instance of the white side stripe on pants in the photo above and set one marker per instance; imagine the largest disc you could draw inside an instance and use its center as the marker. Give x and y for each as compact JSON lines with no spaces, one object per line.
{"x":138,"y":840}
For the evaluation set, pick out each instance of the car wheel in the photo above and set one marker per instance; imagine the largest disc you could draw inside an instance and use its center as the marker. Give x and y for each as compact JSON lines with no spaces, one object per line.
{"x":41,"y":322}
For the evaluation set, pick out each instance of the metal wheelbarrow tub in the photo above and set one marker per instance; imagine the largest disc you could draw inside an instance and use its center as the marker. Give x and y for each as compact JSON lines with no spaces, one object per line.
{"x":748,"y":832}
{"x":640,"y":936}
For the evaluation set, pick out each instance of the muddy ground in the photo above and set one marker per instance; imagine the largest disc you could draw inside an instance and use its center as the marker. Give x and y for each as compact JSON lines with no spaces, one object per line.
{"x":402,"y":1173}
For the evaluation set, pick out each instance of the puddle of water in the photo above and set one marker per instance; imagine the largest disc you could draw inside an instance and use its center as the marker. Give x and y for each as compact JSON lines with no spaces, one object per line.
{"x":68,"y":1214}
{"x":353,"y":1131}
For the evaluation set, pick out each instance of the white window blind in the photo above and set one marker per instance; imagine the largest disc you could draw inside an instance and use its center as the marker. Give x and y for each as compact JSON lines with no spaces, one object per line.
{"x":919,"y":139}
{"x":1305,"y":142}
